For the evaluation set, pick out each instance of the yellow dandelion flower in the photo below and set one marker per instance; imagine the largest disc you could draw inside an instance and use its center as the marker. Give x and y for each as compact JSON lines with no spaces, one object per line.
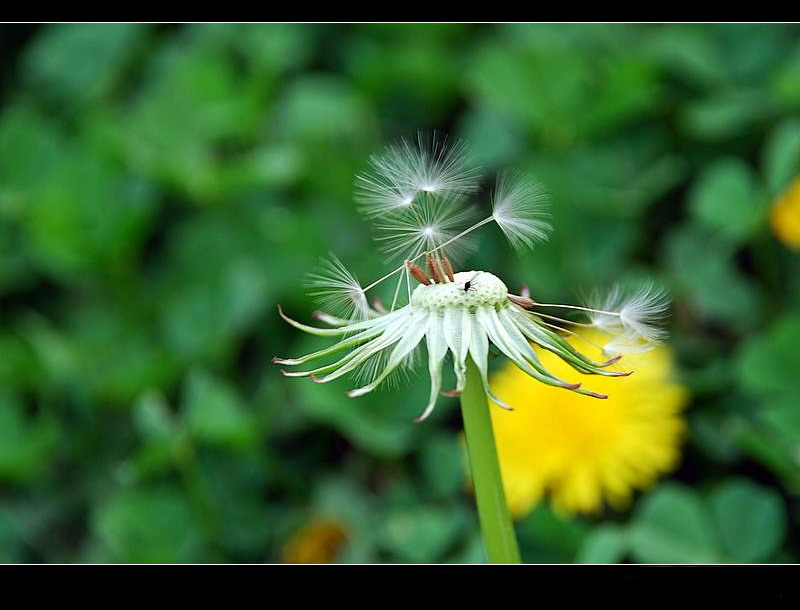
{"x":584,"y":452}
{"x":786,"y":216}
{"x":317,"y":542}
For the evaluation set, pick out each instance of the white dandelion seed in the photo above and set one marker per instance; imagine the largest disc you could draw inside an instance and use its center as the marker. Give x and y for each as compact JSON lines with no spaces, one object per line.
{"x":428,"y":225}
{"x":404,"y":170}
{"x":379,"y":192}
{"x":605,"y":316}
{"x":633,"y":320}
{"x":440,"y":166}
{"x":518,"y":208}
{"x":644,"y":310}
{"x":338,"y":291}
{"x":628,"y":343}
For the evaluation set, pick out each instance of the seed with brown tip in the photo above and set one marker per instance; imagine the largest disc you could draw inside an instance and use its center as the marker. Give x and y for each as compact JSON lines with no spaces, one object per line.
{"x":418,"y":273}
{"x":434,"y":269}
{"x":523,"y":302}
{"x":448,"y":269}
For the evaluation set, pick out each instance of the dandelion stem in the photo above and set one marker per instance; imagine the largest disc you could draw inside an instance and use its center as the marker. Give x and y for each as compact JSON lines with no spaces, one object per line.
{"x":496,"y":526}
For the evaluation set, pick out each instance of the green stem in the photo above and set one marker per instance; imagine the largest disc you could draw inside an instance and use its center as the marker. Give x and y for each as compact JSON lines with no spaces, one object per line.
{"x":496,"y":526}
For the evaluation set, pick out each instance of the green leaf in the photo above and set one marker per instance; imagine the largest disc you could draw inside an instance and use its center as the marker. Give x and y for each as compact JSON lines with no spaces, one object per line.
{"x":726,"y":198}
{"x":215,"y":415}
{"x":152,"y":417}
{"x":725,"y":115}
{"x":324,"y":108}
{"x":19,"y":366}
{"x":673,"y":525}
{"x":710,"y":432}
{"x":25,"y":443}
{"x":605,"y":544}
{"x":30,"y":148}
{"x":689,"y":51}
{"x":273,"y":48}
{"x":90,"y":215}
{"x":420,"y":534}
{"x":786,"y":80}
{"x":751,"y":518}
{"x":768,"y":363}
{"x":108,"y":348}
{"x":414,"y":75}
{"x":548,"y":537}
{"x":442,"y":462}
{"x":782,"y":414}
{"x":775,"y":447}
{"x":703,"y":270}
{"x":545,"y":83}
{"x":149,"y":526}
{"x":374,"y":423}
{"x":494,"y":138}
{"x":379,"y":422}
{"x":11,"y":543}
{"x":232,"y":489}
{"x":180,"y":147}
{"x":80,"y":62}
{"x":212,"y":281}
{"x":629,"y":89}
{"x":539,"y":83}
{"x":781,"y":156}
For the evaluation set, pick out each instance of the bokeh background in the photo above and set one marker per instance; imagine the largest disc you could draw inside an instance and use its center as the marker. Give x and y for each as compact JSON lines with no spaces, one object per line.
{"x":163,"y":188}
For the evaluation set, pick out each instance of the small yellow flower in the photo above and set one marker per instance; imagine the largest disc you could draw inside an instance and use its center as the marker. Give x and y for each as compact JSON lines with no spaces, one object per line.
{"x":317,"y":542}
{"x":786,"y":216}
{"x":585,"y":451}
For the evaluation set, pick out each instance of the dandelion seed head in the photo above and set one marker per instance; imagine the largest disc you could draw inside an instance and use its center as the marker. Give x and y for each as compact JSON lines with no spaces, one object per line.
{"x":486,"y":290}
{"x":607,"y":306}
{"x":416,"y":195}
{"x":644,"y":309}
{"x":634,"y":320}
{"x":337,"y":290}
{"x":378,"y":194}
{"x":435,"y":165}
{"x":427,"y":224}
{"x":519,"y":209}
{"x":431,"y":165}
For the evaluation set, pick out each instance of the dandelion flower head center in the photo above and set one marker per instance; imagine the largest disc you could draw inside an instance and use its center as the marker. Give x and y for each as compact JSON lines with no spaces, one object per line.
{"x":470,"y":289}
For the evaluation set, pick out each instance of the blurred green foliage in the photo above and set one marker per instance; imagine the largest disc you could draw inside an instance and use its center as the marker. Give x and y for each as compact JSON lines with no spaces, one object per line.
{"x":162,"y":188}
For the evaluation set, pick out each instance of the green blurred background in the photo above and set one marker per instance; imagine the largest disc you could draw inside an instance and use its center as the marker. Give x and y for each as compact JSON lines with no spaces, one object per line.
{"x":163,"y":188}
